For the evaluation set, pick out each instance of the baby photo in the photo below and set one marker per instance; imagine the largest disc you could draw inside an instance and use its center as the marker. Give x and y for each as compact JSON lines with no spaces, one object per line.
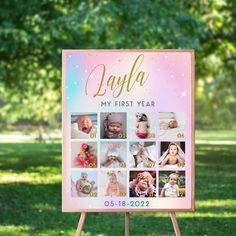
{"x":172,"y":184}
{"x":142,"y":184}
{"x":84,"y":184}
{"x":113,"y":125}
{"x":113,"y":154}
{"x":142,"y":125}
{"x":83,"y":125}
{"x":142,"y":154}
{"x":171,"y":124}
{"x":84,"y":154}
{"x":172,"y":155}
{"x":113,"y":183}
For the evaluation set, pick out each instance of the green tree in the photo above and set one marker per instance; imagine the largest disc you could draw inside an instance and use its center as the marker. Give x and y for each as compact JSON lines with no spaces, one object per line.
{"x":33,"y":33}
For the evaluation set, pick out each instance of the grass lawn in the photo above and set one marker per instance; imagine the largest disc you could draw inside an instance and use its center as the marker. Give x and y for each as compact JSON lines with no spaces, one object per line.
{"x":30,"y":195}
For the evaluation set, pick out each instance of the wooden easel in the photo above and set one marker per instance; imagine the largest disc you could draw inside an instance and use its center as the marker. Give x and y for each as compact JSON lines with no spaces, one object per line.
{"x":83,"y":216}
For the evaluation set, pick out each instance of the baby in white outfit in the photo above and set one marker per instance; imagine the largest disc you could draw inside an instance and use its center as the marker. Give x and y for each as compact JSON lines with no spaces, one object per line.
{"x":171,"y":189}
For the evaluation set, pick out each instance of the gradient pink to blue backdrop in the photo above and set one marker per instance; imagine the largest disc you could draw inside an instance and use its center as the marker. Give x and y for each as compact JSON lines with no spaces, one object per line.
{"x":169,"y":84}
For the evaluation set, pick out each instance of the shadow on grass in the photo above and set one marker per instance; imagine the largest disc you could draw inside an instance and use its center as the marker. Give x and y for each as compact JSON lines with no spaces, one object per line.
{"x":21,"y":157}
{"x":39,"y":206}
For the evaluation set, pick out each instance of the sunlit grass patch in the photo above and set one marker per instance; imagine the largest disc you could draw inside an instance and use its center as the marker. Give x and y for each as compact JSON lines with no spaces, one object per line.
{"x":216,"y":142}
{"x":37,"y":175}
{"x":13,"y":230}
{"x":44,"y":207}
{"x":32,"y":178}
{"x":217,"y":203}
{"x":207,"y":215}
{"x":52,"y":232}
{"x":219,"y":135}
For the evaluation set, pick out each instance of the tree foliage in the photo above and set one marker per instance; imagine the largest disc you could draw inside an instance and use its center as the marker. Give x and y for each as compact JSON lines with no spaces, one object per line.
{"x":33,"y":33}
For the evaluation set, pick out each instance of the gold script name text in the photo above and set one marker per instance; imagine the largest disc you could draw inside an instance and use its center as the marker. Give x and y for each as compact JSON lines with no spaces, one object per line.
{"x":118,"y":84}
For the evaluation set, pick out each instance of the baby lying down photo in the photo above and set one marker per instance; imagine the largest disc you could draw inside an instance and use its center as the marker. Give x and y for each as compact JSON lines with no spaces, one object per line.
{"x":84,"y":126}
{"x":171,"y":124}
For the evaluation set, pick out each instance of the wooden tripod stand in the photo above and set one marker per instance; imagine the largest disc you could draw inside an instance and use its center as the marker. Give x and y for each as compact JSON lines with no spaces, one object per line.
{"x":83,"y":217}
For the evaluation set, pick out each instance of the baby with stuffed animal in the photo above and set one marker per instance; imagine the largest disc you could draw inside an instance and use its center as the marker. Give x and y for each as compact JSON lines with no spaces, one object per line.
{"x":83,"y":186}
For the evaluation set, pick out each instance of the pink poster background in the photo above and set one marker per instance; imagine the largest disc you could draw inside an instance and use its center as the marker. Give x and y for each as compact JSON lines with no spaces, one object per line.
{"x":170,"y":84}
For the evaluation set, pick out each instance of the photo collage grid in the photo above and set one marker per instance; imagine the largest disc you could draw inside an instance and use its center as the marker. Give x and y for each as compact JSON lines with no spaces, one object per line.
{"x":128,"y":154}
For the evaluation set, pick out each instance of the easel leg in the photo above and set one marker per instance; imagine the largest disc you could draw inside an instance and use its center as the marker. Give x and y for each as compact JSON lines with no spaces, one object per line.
{"x":81,"y":223}
{"x":126,"y":223}
{"x":175,"y":224}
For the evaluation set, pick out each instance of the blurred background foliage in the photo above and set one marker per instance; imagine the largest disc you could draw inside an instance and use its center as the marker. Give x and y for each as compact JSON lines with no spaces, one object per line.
{"x":33,"y":33}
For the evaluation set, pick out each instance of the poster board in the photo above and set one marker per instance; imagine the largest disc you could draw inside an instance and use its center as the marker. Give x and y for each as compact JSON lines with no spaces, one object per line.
{"x":128,"y":130}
